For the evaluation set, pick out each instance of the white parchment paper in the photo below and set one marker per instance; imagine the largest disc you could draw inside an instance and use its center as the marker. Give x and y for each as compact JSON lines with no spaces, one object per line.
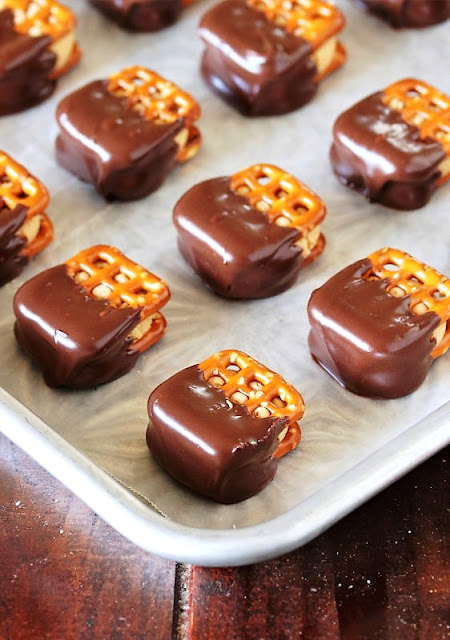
{"x":340,"y":429}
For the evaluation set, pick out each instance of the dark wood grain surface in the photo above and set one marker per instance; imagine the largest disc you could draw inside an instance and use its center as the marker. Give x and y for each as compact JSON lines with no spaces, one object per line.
{"x":381,"y":573}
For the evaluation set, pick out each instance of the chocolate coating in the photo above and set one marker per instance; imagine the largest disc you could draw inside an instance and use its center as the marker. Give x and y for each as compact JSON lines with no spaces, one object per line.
{"x":233,"y":247}
{"x":254,"y":65}
{"x":383,"y":157}
{"x":25,"y":65}
{"x":76,"y":340}
{"x":11,"y":262}
{"x":369,"y":341}
{"x":106,"y":143}
{"x":140,"y":15}
{"x":218,"y":450}
{"x":410,"y":13}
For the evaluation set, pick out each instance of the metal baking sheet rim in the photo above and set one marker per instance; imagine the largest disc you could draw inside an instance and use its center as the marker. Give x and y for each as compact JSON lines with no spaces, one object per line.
{"x":221,"y":547}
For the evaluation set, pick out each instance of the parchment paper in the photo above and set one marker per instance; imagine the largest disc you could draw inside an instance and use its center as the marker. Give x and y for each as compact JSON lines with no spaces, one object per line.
{"x":339,"y":429}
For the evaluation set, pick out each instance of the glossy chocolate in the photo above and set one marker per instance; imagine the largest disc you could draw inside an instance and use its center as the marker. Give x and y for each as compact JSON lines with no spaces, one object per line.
{"x":11,"y":262}
{"x":234,"y":248}
{"x":383,"y":157}
{"x":140,"y":15}
{"x":25,"y":65}
{"x":213,"y":447}
{"x":106,"y":143}
{"x":369,"y":341}
{"x":76,"y":340}
{"x":410,"y":13}
{"x":256,"y":66}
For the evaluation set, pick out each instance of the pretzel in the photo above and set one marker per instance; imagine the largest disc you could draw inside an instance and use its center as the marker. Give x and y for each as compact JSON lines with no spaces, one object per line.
{"x":106,"y":274}
{"x":19,"y":187}
{"x":426,"y":108}
{"x":287,"y":202}
{"x":47,"y":18}
{"x":160,"y":101}
{"x":428,"y":289}
{"x":264,"y":393}
{"x":315,"y":21}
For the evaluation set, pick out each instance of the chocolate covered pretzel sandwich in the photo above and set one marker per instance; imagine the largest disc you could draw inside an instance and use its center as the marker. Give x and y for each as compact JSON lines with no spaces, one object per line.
{"x":25,"y":228}
{"x":85,"y":322}
{"x":394,"y":146}
{"x":267,"y":57}
{"x":378,"y":325}
{"x":37,"y":45}
{"x":220,"y":427}
{"x":410,"y":13}
{"x":124,"y":134}
{"x":142,"y":15}
{"x":248,"y":235}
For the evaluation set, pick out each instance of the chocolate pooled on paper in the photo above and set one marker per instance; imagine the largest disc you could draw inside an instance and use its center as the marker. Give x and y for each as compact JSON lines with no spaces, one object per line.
{"x":377,"y":325}
{"x":248,"y":235}
{"x":213,"y":435}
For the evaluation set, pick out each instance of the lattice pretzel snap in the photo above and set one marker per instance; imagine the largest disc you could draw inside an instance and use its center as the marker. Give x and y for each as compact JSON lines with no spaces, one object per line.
{"x":160,"y":101}
{"x":19,"y":187}
{"x":313,"y":20}
{"x":286,"y":201}
{"x":425,"y":107}
{"x":428,"y":289}
{"x":264,"y":393}
{"x":48,"y":18}
{"x":106,"y":274}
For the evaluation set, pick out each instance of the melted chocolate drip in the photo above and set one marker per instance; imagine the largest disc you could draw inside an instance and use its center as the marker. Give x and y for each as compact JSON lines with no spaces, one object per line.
{"x":140,"y":15}
{"x":410,"y":13}
{"x":237,"y":251}
{"x":25,"y":65}
{"x":256,"y":66}
{"x":11,"y":262}
{"x":106,"y":143}
{"x":383,"y":157}
{"x":369,"y":341}
{"x":76,"y":340}
{"x":218,"y":450}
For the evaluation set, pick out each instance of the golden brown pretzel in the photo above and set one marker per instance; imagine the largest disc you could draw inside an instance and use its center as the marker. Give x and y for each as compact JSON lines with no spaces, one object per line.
{"x":428,"y":289}
{"x":264,"y":393}
{"x":425,"y":107}
{"x":45,"y":18}
{"x":314,"y":20}
{"x":160,"y":101}
{"x":106,"y":274}
{"x":19,"y":187}
{"x":286,"y":201}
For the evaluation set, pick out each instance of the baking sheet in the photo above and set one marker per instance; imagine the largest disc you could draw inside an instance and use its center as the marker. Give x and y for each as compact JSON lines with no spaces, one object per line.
{"x":342,"y":432}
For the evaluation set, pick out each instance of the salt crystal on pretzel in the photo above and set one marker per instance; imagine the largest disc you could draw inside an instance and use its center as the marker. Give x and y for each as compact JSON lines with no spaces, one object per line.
{"x":147,"y":127}
{"x":25,"y":228}
{"x":219,"y":427}
{"x":142,"y":15}
{"x":86,"y":321}
{"x":266,"y":57}
{"x":39,"y":18}
{"x":378,"y":325}
{"x":249,"y":235}
{"x":394,"y":146}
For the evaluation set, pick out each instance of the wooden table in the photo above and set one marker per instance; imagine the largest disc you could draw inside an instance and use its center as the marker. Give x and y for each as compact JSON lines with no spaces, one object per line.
{"x":381,"y":573}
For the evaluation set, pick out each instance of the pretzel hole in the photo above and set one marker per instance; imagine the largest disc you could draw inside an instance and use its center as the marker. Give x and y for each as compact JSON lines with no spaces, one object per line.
{"x":420,"y":309}
{"x":435,"y":105}
{"x":300,"y":208}
{"x":5,"y":179}
{"x":261,"y":412}
{"x":137,"y":81}
{"x":233,"y":368}
{"x":415,"y":280}
{"x":216,"y":381}
{"x":397,"y":292}
{"x":255,"y":384}
{"x":262,"y":205}
{"x":21,"y":195}
{"x":438,"y":295}
{"x":396,"y":104}
{"x":413,"y":93}
{"x":278,"y":402}
{"x":282,"y":221}
{"x":243,"y":190}
{"x":101,"y":291}
{"x":390,"y":266}
{"x":101,"y":264}
{"x":121,"y":277}
{"x":263,"y":179}
{"x":81,"y":277}
{"x":442,"y":133}
{"x":239,"y":397}
{"x":281,"y":193}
